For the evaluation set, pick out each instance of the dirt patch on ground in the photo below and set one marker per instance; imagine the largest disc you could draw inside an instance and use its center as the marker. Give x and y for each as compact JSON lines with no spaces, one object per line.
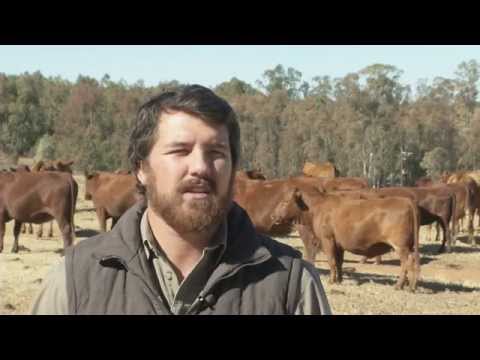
{"x":450,"y":283}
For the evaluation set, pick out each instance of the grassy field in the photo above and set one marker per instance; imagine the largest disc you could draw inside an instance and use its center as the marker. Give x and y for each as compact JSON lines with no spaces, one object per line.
{"x":450,"y":283}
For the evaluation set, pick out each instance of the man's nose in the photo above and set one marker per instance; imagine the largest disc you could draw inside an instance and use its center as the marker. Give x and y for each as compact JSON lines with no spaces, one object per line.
{"x":200,"y":164}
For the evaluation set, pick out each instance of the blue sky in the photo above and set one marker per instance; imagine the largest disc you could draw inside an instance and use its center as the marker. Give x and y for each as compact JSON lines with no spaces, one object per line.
{"x":211,"y":65}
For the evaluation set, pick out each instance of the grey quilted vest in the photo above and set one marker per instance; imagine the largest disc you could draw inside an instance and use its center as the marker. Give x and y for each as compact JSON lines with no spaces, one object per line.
{"x":110,"y":274}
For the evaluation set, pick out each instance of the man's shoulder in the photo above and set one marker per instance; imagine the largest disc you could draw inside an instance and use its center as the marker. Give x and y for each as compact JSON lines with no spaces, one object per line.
{"x":90,"y":245}
{"x":277,"y":248}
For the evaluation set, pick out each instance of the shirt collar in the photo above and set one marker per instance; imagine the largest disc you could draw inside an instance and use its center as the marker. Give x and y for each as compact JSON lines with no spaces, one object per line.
{"x":153,"y":249}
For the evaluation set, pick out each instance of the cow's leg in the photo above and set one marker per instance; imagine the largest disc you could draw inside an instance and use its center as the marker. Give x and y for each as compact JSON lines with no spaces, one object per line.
{"x":378,"y":260}
{"x":310,"y":253}
{"x":437,"y":232}
{"x":309,"y":243}
{"x":24,"y":228}
{"x":114,"y":221}
{"x":16,"y":233}
{"x":330,"y":251}
{"x":30,"y":228}
{"x":102,"y":219}
{"x":453,"y":235}
{"x":363,"y":260}
{"x":66,"y":229}
{"x":403,"y":254}
{"x":339,"y":262}
{"x":471,"y":238}
{"x":460,"y":225}
{"x":414,"y":265}
{"x":2,"y":232}
{"x":40,"y":231}
{"x":446,"y":236}
{"x":429,"y":234}
{"x":50,"y":232}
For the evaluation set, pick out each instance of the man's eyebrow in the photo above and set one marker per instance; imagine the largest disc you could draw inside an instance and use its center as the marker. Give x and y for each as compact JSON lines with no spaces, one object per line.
{"x":222,"y":145}
{"x":178,"y":144}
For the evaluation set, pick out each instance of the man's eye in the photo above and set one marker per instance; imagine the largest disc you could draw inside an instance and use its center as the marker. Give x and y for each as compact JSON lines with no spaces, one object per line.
{"x":218,"y":154}
{"x":179,"y":152}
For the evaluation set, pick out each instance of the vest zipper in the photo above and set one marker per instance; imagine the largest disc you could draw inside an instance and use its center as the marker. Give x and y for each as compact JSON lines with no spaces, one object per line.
{"x":158,"y":303}
{"x":203,"y":294}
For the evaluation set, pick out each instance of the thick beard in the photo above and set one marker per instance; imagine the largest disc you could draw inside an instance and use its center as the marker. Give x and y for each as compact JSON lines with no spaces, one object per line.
{"x":201,"y":215}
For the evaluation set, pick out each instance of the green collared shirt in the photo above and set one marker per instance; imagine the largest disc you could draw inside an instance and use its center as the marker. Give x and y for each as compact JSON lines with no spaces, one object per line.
{"x":181,"y":295}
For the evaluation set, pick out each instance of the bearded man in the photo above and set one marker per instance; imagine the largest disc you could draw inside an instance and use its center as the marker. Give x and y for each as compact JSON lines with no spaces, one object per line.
{"x":188,"y":249}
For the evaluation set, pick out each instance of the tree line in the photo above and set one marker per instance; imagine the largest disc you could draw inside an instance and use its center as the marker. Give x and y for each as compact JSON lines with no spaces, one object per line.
{"x":368,"y":123}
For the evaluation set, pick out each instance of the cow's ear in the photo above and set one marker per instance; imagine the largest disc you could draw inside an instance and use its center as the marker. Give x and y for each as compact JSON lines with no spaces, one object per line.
{"x":299,"y":200}
{"x":88,"y":175}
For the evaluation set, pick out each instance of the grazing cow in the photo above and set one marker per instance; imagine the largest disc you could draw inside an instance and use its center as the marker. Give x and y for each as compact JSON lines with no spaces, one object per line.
{"x":37,"y":197}
{"x":250,"y":174}
{"x":424,"y":181}
{"x":364,"y":227}
{"x":53,"y":165}
{"x":123,"y":172}
{"x":48,"y":165}
{"x":260,"y":197}
{"x":324,"y":170}
{"x":24,"y":168}
{"x":473,"y":201}
{"x":434,"y":206}
{"x":112,"y":195}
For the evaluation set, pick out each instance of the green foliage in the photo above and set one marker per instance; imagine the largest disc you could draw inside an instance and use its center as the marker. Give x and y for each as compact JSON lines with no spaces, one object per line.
{"x":434,"y":162}
{"x":45,"y":148}
{"x":362,"y":122}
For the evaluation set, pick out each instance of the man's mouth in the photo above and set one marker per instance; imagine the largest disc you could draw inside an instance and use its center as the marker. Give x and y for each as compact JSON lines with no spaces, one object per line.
{"x":199,"y":190}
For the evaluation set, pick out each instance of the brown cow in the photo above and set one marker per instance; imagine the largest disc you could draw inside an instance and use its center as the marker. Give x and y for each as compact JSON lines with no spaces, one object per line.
{"x":48,"y":165}
{"x":260,"y":197}
{"x":424,"y":181}
{"x":473,"y":201}
{"x":123,"y":172}
{"x":53,"y":165}
{"x":24,"y":168}
{"x":340,"y":183}
{"x":434,"y":206}
{"x":324,"y":170}
{"x":37,"y":197}
{"x":364,"y":227}
{"x":112,"y":195}
{"x":250,"y":174}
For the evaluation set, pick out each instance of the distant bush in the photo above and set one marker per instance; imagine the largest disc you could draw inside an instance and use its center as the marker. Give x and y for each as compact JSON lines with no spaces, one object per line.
{"x":45,"y":148}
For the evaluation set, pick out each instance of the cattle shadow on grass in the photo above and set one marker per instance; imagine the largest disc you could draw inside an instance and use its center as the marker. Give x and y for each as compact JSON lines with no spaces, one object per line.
{"x":464,"y":239}
{"x":390,"y":280}
{"x":86,"y":233}
{"x":432,"y":249}
{"x":84,"y":210}
{"x":423,"y":261}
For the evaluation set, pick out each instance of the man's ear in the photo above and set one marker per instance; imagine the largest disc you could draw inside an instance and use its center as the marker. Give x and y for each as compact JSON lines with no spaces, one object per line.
{"x":141,"y":173}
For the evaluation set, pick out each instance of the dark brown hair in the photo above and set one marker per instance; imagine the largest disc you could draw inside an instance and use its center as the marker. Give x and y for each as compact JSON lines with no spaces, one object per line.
{"x":195,"y":100}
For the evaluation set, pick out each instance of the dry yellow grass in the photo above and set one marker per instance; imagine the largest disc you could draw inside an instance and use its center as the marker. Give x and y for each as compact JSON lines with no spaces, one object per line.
{"x":450,"y":283}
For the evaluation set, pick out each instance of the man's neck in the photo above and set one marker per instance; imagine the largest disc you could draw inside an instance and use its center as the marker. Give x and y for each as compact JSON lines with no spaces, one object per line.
{"x":183,"y":250}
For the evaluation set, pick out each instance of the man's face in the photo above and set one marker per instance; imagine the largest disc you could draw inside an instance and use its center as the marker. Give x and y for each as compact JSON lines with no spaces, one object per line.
{"x":188,"y":174}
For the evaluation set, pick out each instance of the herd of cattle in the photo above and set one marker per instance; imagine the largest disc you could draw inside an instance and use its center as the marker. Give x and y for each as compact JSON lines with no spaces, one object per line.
{"x":333,"y":214}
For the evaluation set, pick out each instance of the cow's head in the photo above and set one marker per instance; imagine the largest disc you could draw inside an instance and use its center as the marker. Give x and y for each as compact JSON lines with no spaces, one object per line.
{"x":20,"y":168}
{"x":255,"y":174}
{"x":89,"y":184}
{"x":64,"y":166}
{"x":288,"y":209}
